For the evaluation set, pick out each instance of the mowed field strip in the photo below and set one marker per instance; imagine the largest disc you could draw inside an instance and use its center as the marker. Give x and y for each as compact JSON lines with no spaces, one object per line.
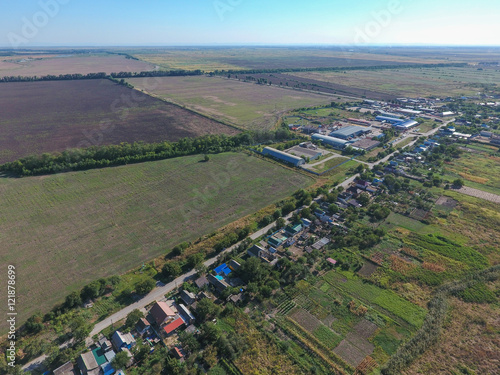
{"x":52,"y":116}
{"x":247,"y":105}
{"x":63,"y":231}
{"x":70,"y":64}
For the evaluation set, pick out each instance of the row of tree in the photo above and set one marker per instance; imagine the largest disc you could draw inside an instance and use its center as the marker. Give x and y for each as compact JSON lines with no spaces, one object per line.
{"x":126,"y":153}
{"x":102,"y":75}
{"x":335,"y":69}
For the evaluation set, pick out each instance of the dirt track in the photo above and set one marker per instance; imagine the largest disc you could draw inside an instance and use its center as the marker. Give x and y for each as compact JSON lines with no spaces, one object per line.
{"x":479,"y":194}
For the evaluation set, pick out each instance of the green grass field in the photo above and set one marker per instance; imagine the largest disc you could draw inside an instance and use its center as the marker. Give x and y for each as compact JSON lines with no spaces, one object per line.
{"x":372,"y":294}
{"x":63,"y":231}
{"x":246,"y":105}
{"x":477,"y":170}
{"x":327,"y":164}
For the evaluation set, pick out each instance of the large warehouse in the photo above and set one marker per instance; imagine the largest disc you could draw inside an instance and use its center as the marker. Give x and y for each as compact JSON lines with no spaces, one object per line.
{"x":405,"y":125}
{"x":334,"y":142}
{"x":350,"y":131}
{"x":294,"y":160}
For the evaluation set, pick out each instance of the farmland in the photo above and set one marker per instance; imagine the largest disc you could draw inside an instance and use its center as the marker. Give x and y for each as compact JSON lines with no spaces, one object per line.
{"x":446,"y":81}
{"x":246,"y":105}
{"x":70,"y":64}
{"x":345,"y":321}
{"x":238,"y":58}
{"x":43,"y":117}
{"x":66,"y":230}
{"x":477,"y":169}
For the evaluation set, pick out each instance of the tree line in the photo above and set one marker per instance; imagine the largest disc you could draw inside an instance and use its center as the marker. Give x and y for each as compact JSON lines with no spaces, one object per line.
{"x":102,"y":75}
{"x":127,"y":153}
{"x":335,"y":69}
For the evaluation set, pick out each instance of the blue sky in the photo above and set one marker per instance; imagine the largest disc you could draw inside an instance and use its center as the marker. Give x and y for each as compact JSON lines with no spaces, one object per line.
{"x":217,"y":22}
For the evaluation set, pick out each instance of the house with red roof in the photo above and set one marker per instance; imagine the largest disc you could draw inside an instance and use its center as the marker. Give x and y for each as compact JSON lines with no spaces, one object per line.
{"x":174,"y":325}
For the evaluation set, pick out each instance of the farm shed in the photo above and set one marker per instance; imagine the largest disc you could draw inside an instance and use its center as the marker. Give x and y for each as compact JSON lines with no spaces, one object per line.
{"x":331,"y":141}
{"x":277,"y":154}
{"x":186,"y":314}
{"x":350,"y":131}
{"x":318,"y":245}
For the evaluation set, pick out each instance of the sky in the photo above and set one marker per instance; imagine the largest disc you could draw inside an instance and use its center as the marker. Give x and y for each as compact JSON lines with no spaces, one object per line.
{"x":35,"y":23}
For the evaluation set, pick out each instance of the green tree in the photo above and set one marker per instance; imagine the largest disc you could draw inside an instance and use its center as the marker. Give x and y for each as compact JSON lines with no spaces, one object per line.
{"x":133,"y":318}
{"x":252,"y":270}
{"x":92,"y":290}
{"x":171,"y":270}
{"x":207,"y":309}
{"x":458,"y":183}
{"x":145,"y":286}
{"x":280,"y":223}
{"x":120,"y":360}
{"x":72,"y":300}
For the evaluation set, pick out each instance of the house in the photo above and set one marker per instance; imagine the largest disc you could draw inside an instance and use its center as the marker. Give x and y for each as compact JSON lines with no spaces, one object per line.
{"x":292,"y":230}
{"x":362,"y":184}
{"x":122,"y":340}
{"x":354,"y":203}
{"x":255,"y":251}
{"x":161,"y":312}
{"x":236,"y":298}
{"x":87,"y":364}
{"x":143,"y":326}
{"x":218,"y":282}
{"x":276,"y":241}
{"x":173,"y":326}
{"x":188,"y":297}
{"x":306,"y":222}
{"x":186,"y":314}
{"x":222,"y":269}
{"x":344,"y":196}
{"x":105,"y":344}
{"x":178,"y":352}
{"x":201,"y":282}
{"x":66,"y":369}
{"x":234,"y":265}
{"x":107,"y":369}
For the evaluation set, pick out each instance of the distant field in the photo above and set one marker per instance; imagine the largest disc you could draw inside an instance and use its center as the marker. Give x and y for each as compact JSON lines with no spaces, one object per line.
{"x":71,"y":64}
{"x":42,"y":117}
{"x":237,"y":58}
{"x":63,"y":231}
{"x":247,"y":105}
{"x":411,"y":82}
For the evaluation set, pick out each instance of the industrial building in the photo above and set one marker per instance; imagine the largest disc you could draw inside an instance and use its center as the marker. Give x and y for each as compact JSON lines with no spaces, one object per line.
{"x":294,"y":160}
{"x":305,"y":152}
{"x":331,"y":141}
{"x":392,"y":120}
{"x":405,"y":125}
{"x":350,"y":131}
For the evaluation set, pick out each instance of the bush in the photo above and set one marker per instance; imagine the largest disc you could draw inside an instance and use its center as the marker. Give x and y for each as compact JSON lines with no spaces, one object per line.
{"x":145,"y":286}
